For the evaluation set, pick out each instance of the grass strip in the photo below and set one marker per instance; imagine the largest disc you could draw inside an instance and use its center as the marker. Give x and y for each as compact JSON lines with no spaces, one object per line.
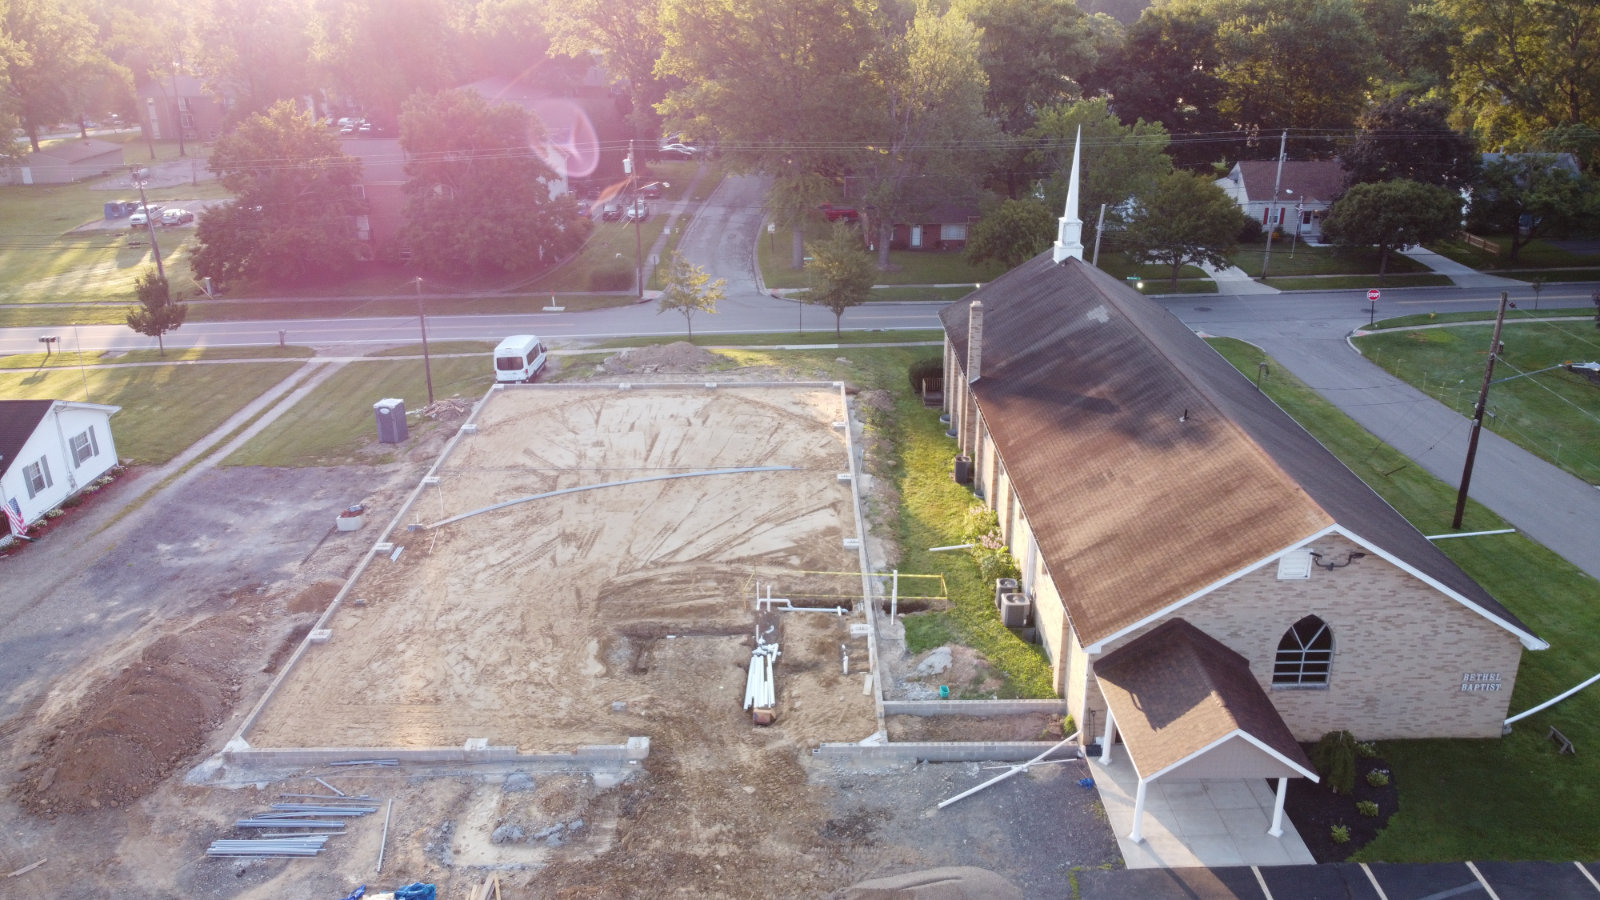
{"x":1513,"y":798}
{"x":1482,"y":315}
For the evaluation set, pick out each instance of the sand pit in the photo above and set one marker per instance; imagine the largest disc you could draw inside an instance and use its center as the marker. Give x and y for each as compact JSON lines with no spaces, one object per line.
{"x":592,"y":616}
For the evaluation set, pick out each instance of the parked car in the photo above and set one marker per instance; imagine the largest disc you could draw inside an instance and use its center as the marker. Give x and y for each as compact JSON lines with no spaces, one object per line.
{"x":838,"y":213}
{"x":651,"y":191}
{"x":611,"y":212}
{"x":638,"y":211}
{"x":176,"y":217}
{"x":141,"y":216}
{"x":680,"y":149}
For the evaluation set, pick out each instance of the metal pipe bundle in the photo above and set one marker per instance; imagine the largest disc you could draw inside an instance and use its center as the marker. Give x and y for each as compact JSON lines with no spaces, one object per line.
{"x":301,"y":846}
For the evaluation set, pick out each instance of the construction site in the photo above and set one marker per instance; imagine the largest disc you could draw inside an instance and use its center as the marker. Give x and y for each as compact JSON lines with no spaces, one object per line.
{"x":620,"y":639}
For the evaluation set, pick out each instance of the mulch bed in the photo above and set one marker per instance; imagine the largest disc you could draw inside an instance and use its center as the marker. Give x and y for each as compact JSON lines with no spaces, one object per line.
{"x":83,"y":501}
{"x":1314,"y":810}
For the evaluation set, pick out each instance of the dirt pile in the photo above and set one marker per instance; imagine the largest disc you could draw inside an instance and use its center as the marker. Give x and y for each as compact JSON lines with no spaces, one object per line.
{"x":679,"y":356}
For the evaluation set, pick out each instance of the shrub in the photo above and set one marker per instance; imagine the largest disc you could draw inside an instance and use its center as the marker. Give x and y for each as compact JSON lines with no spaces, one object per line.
{"x":1335,"y":759}
{"x":978,"y":522}
{"x":993,"y":559}
{"x":932,"y":367}
{"x":72,"y":502}
{"x":1250,"y":232}
{"x":1068,"y":726}
{"x":1340,"y":834}
{"x":1378,"y":777}
{"x":611,"y":276}
{"x":1367,"y":750}
{"x":1367,"y":808}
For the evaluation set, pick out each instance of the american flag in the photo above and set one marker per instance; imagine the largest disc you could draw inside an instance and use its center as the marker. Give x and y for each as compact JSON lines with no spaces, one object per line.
{"x":14,"y":516}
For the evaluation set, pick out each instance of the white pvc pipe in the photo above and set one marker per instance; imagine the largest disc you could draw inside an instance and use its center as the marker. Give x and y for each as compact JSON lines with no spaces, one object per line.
{"x":894,"y":596}
{"x":1440,"y":537}
{"x":1552,"y":702}
{"x":1014,"y":770}
{"x":951,"y":547}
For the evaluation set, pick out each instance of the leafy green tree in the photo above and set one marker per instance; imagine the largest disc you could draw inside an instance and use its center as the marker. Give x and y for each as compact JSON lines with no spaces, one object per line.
{"x":293,"y":216}
{"x":796,"y":199}
{"x":1011,"y":233}
{"x":1580,"y":139}
{"x":1392,"y":215}
{"x":629,"y":35}
{"x":479,"y":196}
{"x":1303,"y":65}
{"x":1528,"y":196}
{"x":156,"y":313}
{"x":51,"y":64}
{"x":1524,"y":66}
{"x":256,"y":52}
{"x":1166,"y":72}
{"x":1412,"y":140}
{"x":841,"y":272}
{"x":380,"y":52}
{"x":1414,"y":41}
{"x":1119,"y":161}
{"x":1184,"y":218}
{"x":780,"y":84}
{"x":930,"y":92}
{"x":689,"y":290}
{"x":1034,"y":53}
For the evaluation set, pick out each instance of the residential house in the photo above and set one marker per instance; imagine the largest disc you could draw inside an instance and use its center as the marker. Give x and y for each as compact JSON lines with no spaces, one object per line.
{"x":383,"y":182}
{"x":942,"y":226}
{"x":50,"y":450}
{"x":176,"y":104}
{"x":1210,"y":583}
{"x":65,"y":162}
{"x":1303,"y":195}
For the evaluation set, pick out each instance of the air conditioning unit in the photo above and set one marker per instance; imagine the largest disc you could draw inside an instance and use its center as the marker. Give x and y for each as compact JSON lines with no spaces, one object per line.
{"x":1016,"y":610}
{"x":1003,"y":586}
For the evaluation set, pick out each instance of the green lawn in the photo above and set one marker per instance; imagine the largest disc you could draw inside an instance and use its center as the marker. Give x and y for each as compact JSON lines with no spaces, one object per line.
{"x":1307,"y":259}
{"x":906,"y":266}
{"x":437,"y":348}
{"x":335,"y":426}
{"x":1555,"y":414}
{"x":1357,"y":283}
{"x":928,"y":335}
{"x":69,"y":359}
{"x":1536,"y":255}
{"x":1484,"y":315}
{"x":1513,"y":798}
{"x":164,"y":408}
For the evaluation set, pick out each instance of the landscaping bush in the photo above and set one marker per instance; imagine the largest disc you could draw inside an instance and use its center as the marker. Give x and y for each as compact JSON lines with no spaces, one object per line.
{"x":1340,"y":833}
{"x":932,"y":367}
{"x":612,"y":276}
{"x":1367,"y":808}
{"x":1378,"y":777}
{"x":1250,"y":232}
{"x":1335,"y":759}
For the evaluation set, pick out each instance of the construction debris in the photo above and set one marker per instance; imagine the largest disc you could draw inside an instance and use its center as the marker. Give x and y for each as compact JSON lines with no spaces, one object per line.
{"x":301,"y":846}
{"x":760,"y":689}
{"x":28,"y":868}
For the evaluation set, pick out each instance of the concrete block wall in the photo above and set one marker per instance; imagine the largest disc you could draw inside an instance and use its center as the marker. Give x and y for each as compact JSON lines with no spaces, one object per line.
{"x":973,"y":707}
{"x":244,"y":756}
{"x":1401,"y":649}
{"x":937,"y":751}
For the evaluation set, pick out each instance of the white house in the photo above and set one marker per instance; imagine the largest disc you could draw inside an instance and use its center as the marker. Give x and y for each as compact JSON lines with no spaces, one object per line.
{"x":1305,"y":191}
{"x":50,"y":450}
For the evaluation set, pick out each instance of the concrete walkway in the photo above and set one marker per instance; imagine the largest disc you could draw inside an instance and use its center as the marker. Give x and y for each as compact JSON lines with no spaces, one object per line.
{"x":1207,"y":823}
{"x":1234,"y":280}
{"x":1463,"y":276}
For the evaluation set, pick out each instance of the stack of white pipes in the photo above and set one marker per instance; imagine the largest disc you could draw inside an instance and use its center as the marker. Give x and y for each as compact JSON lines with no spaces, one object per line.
{"x":760,"y":690}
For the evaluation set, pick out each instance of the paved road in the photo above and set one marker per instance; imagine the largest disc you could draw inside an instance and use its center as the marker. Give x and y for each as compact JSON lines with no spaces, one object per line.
{"x":1307,"y":332}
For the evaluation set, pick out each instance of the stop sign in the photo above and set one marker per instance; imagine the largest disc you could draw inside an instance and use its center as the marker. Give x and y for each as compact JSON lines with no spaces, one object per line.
{"x":1372,"y":295}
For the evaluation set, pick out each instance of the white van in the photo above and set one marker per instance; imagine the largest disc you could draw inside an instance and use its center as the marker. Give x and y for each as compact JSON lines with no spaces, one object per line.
{"x":519,"y":358}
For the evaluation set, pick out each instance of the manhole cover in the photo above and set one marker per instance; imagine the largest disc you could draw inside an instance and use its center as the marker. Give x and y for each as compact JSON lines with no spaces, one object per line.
{"x":1202,"y":309}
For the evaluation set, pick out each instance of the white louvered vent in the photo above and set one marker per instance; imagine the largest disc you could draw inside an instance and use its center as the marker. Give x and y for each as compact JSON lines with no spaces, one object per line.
{"x":1295,"y":565}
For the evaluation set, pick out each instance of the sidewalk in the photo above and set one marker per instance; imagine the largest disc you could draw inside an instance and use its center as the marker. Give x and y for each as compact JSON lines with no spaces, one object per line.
{"x":1463,"y":276}
{"x":1234,"y":280}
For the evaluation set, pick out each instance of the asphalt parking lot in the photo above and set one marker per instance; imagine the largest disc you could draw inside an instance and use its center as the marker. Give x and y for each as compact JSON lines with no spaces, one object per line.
{"x":1349,"y":881}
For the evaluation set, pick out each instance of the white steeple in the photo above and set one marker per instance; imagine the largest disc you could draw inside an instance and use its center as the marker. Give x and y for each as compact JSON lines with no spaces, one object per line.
{"x":1069,"y":233}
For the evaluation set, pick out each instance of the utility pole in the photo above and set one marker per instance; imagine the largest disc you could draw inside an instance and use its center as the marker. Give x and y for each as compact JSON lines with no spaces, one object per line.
{"x":632,"y":170}
{"x":1283,"y":149}
{"x":427,"y":362}
{"x":149,"y":221}
{"x":1477,"y":414}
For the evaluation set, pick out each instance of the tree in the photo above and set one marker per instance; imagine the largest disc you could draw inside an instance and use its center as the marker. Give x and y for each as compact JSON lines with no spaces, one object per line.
{"x":780,"y":84}
{"x":1415,"y":41}
{"x":689,"y":290}
{"x":293,"y":216}
{"x":841,"y":272}
{"x":1011,"y":233}
{"x":1119,"y":161}
{"x":479,"y":196}
{"x":1392,"y":215}
{"x":1034,"y":54}
{"x":628,"y":34}
{"x":929,"y":93}
{"x":1165,"y":72}
{"x":1525,"y":66}
{"x":1401,"y":138}
{"x":1528,"y":196}
{"x":380,"y":52}
{"x":156,"y":313}
{"x":256,"y":52}
{"x":50,"y":63}
{"x":1184,"y":218}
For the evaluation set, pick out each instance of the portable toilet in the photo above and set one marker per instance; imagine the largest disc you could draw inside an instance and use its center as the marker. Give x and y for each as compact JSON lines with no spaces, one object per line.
{"x":391,"y":415}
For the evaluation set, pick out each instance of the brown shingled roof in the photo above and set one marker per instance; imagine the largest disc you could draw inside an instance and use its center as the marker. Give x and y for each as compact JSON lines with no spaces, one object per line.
{"x":1176,"y":691}
{"x":1316,"y":179}
{"x":1083,"y":386}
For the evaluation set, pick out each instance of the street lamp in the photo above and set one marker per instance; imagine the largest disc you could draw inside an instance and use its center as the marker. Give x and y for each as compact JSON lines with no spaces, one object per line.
{"x":139,"y":176}
{"x":422,"y":319}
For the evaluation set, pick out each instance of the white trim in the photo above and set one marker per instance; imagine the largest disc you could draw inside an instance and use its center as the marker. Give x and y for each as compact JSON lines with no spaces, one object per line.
{"x":1099,"y":647}
{"x":1261,"y":882}
{"x":1478,"y":875}
{"x":1586,"y":873}
{"x":1239,"y":733}
{"x":1378,"y":887}
{"x":1529,"y":640}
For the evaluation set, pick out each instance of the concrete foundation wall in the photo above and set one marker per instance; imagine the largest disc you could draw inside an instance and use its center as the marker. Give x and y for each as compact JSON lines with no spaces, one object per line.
{"x":937,"y":751}
{"x":972,"y":707}
{"x":250,"y":757}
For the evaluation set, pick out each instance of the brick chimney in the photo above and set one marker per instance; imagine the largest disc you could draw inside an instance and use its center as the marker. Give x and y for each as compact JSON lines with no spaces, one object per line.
{"x":975,"y":341}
